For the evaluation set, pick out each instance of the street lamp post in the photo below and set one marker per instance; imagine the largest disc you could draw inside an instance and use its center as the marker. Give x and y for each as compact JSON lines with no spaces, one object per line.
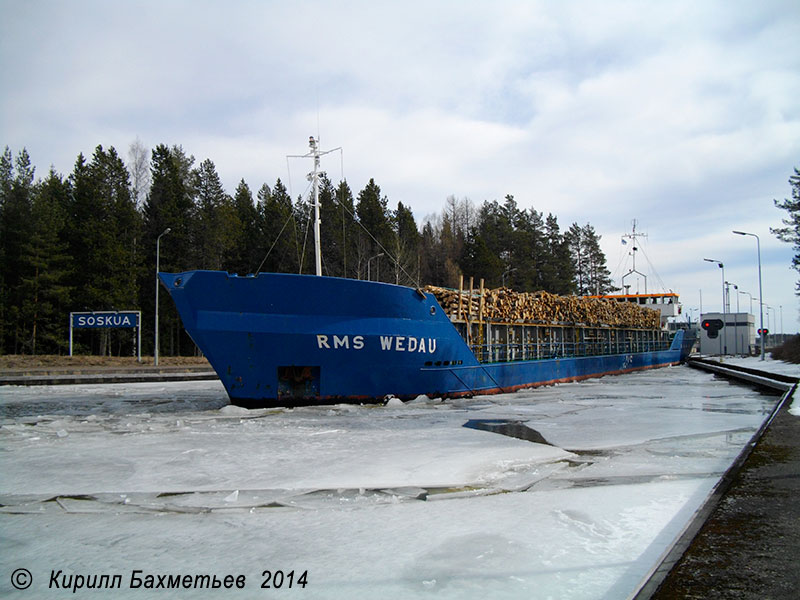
{"x":369,"y":274}
{"x":728,"y":286}
{"x":751,"y":299}
{"x":747,"y":329}
{"x":158,"y":285}
{"x":724,"y":333}
{"x":760,"y":292}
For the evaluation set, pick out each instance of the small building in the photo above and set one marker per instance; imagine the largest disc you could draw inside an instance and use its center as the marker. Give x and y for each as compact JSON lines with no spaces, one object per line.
{"x":736,"y":337}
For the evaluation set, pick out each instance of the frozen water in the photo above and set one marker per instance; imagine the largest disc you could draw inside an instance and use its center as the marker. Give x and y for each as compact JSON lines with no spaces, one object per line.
{"x":397,"y":500}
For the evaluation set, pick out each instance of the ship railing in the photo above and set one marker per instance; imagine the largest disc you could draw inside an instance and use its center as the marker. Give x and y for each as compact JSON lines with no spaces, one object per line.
{"x":514,"y":352}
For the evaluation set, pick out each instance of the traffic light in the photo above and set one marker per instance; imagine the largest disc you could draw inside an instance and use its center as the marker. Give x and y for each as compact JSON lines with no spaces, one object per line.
{"x":712,"y":326}
{"x":763,"y":332}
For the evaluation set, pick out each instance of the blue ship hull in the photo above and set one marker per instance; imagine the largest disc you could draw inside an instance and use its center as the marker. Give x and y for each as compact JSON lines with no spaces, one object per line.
{"x":284,"y":340}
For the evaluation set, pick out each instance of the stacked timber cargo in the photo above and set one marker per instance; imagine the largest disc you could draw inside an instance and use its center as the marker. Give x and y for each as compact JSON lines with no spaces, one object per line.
{"x":503,"y":305}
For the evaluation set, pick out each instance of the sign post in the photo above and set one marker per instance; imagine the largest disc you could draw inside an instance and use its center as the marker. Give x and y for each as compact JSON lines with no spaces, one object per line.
{"x":131,"y":319}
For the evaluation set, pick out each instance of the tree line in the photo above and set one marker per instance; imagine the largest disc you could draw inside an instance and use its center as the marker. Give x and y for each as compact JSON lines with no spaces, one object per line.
{"x":87,"y":241}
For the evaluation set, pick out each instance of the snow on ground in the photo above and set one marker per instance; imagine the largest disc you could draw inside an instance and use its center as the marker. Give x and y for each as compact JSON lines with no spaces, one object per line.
{"x":397,"y":501}
{"x":768,"y":364}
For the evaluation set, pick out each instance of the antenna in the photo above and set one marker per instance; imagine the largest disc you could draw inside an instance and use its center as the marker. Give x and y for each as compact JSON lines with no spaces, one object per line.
{"x":632,"y":236}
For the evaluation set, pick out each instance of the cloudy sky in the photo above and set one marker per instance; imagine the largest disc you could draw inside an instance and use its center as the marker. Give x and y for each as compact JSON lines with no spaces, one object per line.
{"x":682,"y":115}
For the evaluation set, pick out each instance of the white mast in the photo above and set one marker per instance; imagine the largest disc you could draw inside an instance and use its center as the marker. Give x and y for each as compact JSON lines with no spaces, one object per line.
{"x":633,"y":236}
{"x":315,"y":184}
{"x":313,"y":177}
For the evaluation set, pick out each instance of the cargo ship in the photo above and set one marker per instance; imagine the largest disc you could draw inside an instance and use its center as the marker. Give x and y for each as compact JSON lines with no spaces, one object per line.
{"x":278,"y":339}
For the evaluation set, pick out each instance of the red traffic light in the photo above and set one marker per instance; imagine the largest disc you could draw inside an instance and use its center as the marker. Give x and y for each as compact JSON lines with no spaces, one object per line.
{"x":712,"y":326}
{"x":763,"y":331}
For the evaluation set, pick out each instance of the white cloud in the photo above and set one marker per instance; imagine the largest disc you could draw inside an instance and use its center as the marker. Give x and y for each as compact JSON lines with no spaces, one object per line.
{"x":681,"y":114}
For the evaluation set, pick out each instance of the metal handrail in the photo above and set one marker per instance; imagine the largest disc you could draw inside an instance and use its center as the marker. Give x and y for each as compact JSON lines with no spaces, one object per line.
{"x":492,"y":353}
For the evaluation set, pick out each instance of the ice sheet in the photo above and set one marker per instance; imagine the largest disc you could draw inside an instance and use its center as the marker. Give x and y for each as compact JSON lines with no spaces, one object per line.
{"x":396,"y":501}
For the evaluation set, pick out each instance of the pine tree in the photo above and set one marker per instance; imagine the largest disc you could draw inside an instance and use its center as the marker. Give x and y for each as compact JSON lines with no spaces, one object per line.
{"x":432,"y":260}
{"x":331,"y":243}
{"x":488,"y":251}
{"x":482,"y":262}
{"x":339,"y":229}
{"x":245,"y":255}
{"x":278,"y":233}
{"x":169,"y":205}
{"x":125,"y":226}
{"x":215,"y":221}
{"x":592,"y":277}
{"x":791,"y":233}
{"x":558,"y":272}
{"x":598,"y":274}
{"x":350,"y":229}
{"x":377,"y":232}
{"x":577,"y":252}
{"x":16,"y":228}
{"x":528,"y":251}
{"x":6,"y":175}
{"x":104,"y":233}
{"x":48,"y":269}
{"x":406,"y":251}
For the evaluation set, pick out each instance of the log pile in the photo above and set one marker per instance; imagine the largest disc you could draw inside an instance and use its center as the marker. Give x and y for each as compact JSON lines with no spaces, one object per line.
{"x":504,"y":305}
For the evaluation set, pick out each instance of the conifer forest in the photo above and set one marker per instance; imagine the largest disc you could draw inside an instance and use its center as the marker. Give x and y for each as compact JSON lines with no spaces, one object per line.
{"x":86,"y":241}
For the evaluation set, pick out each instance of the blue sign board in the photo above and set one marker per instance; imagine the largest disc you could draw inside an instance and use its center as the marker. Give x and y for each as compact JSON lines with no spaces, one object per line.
{"x":105,"y":319}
